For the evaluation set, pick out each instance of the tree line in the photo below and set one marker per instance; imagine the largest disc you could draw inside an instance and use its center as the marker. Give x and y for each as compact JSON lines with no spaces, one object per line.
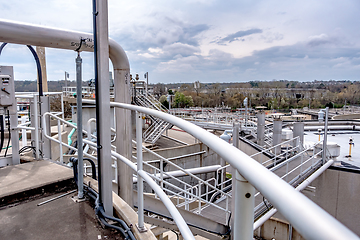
{"x":276,"y":94}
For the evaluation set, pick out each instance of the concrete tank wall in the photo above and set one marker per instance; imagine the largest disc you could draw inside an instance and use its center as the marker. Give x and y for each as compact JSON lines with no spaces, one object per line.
{"x":338,"y":192}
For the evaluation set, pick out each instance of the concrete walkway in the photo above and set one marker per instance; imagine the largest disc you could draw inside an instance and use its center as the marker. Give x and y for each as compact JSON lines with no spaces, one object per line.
{"x":32,"y":175}
{"x":56,"y":220}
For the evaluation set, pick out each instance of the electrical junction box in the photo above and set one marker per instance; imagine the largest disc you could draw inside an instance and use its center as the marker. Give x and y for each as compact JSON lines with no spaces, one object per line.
{"x":7,"y":88}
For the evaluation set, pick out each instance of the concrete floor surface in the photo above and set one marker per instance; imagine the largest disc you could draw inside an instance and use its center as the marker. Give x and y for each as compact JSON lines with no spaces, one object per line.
{"x":57,"y":220}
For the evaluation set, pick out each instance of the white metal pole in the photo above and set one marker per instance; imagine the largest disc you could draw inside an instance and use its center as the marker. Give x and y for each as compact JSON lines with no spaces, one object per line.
{"x":36,"y":121}
{"x":23,"y":132}
{"x":60,"y":140}
{"x":79,"y":127}
{"x":140,"y":186}
{"x":325,"y":134}
{"x":147,"y":83}
{"x":65,"y":83}
{"x":243,"y":200}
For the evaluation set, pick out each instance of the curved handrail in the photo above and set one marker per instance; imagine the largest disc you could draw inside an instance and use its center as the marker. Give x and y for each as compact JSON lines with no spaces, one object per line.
{"x":178,"y":219}
{"x":311,"y":221}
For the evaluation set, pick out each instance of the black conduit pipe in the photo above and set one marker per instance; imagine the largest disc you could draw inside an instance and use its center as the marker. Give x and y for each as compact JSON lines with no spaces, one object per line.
{"x":99,"y":209}
{"x":95,"y":13}
{"x":127,"y":230}
{"x":2,"y":130}
{"x":8,"y":125}
{"x":38,"y":69}
{"x":37,"y":65}
{"x":93,"y":167}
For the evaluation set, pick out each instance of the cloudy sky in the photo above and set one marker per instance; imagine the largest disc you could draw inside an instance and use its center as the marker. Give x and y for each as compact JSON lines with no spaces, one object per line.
{"x":205,"y":40}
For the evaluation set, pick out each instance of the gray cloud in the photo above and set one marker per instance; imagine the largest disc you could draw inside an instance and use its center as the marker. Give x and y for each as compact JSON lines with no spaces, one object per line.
{"x":321,"y":39}
{"x":238,"y":35}
{"x":295,"y":62}
{"x":162,"y":31}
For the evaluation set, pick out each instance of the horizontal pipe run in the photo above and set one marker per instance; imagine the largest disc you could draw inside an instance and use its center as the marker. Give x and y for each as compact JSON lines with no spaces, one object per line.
{"x":314,"y":223}
{"x":180,"y":173}
{"x":178,"y":157}
{"x":176,"y":166}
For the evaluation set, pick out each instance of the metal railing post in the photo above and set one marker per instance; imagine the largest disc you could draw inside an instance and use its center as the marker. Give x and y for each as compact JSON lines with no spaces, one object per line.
{"x":23,"y":132}
{"x":325,"y":135}
{"x":62,"y":109}
{"x":60,"y":140}
{"x":79,"y":127}
{"x":243,"y":200}
{"x":36,"y":122}
{"x":140,"y":186}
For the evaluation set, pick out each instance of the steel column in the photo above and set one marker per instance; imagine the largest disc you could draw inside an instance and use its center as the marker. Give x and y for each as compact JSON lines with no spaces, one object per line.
{"x":243,"y":200}
{"x":123,"y":129}
{"x":103,"y":97}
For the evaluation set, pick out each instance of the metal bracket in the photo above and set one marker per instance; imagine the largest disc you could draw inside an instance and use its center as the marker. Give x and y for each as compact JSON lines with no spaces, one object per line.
{"x":143,"y":229}
{"x":76,"y":199}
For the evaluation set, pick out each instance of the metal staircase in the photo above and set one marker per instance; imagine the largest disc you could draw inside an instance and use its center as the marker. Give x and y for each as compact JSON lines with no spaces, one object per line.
{"x":158,"y":126}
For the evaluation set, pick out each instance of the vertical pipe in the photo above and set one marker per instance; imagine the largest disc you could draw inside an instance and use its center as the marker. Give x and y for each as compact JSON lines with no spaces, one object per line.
{"x":147,"y":83}
{"x":140,"y":187}
{"x":277,"y":125}
{"x":243,"y":200}
{"x":290,"y":232}
{"x":260,"y":127}
{"x":123,"y":129}
{"x":36,"y":122}
{"x":79,"y":127}
{"x":62,"y":109}
{"x":325,"y":135}
{"x":65,"y":84}
{"x":102,"y":97}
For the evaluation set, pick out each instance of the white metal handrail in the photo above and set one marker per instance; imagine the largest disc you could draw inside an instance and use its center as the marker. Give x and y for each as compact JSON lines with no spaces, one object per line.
{"x":198,"y":196}
{"x":314,"y":223}
{"x":183,"y":228}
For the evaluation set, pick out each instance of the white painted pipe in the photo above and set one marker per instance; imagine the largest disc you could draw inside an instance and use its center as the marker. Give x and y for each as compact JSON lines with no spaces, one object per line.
{"x":180,"y":173}
{"x":140,"y":185}
{"x":310,"y":220}
{"x":27,"y":34}
{"x":178,"y":219}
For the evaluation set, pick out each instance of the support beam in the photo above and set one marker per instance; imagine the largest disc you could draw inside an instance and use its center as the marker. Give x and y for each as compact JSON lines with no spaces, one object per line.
{"x":242,"y":200}
{"x":103,"y":98}
{"x":40,"y":51}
